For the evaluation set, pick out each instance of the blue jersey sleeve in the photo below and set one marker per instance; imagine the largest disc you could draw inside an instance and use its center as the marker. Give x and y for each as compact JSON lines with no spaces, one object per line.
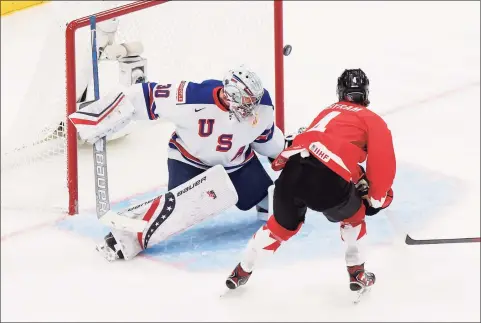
{"x":201,"y":93}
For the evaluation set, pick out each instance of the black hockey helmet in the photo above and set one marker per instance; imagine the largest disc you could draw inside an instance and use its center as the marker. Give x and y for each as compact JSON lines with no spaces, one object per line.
{"x":353,"y":86}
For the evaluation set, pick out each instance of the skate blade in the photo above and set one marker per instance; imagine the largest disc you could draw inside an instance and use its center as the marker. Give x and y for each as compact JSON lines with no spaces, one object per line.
{"x":226,"y":293}
{"x":360,"y":294}
{"x":229,"y":293}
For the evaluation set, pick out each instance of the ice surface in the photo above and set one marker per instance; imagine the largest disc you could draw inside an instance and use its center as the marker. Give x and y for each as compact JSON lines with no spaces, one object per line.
{"x":423,"y":62}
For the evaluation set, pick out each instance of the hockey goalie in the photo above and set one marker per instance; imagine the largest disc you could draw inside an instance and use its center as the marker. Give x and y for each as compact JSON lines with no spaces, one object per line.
{"x":220,"y":128}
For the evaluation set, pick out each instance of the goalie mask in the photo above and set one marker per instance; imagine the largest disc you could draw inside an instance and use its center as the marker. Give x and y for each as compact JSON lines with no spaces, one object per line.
{"x":243,"y":90}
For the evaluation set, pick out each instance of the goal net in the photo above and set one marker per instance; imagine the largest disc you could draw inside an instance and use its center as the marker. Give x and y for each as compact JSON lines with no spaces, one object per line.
{"x":180,"y":40}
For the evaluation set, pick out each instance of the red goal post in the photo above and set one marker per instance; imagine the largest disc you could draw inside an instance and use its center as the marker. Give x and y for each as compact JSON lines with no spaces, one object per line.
{"x":71,"y":106}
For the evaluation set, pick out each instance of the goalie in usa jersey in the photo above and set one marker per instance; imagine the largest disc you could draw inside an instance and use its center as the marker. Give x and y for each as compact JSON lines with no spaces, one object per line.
{"x":321,"y":171}
{"x":217,"y":122}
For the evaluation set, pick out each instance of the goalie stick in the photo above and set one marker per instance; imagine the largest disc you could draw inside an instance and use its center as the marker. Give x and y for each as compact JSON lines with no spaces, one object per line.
{"x":411,"y":241}
{"x":100,"y":147}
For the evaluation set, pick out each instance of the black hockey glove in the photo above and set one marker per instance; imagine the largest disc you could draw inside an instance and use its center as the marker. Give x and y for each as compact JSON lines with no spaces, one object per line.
{"x":362,"y":184}
{"x":369,"y":209}
{"x":362,"y":187}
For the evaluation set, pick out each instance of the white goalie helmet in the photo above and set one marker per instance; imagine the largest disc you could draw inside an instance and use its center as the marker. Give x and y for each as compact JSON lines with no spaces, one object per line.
{"x":244,"y":91}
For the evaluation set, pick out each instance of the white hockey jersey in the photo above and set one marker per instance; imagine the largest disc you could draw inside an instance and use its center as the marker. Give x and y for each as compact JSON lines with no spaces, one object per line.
{"x":206,"y":133}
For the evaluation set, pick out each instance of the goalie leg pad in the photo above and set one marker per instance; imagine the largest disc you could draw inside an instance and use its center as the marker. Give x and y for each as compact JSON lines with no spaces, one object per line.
{"x":198,"y":199}
{"x":251,"y":181}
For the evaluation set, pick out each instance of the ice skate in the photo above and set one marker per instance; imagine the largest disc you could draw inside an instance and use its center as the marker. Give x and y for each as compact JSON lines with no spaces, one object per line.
{"x":108,"y":248}
{"x":361,"y":281}
{"x":237,"y":278}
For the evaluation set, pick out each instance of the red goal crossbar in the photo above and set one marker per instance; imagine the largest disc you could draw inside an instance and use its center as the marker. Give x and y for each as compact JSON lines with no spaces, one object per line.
{"x":72,"y":163}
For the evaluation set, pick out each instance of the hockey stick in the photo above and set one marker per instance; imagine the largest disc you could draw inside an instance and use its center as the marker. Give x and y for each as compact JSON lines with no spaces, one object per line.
{"x":411,"y":241}
{"x":100,"y":147}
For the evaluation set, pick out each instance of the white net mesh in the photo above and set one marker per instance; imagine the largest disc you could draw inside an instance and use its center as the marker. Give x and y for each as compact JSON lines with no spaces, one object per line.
{"x":38,"y":131}
{"x":176,"y":46}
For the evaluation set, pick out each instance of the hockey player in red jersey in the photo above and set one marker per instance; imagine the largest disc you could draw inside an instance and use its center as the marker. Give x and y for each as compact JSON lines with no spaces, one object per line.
{"x":321,"y":171}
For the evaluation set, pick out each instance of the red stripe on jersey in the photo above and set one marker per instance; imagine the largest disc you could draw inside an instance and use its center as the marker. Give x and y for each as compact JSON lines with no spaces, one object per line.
{"x":249,"y":157}
{"x":239,"y":152}
{"x":184,"y":152}
{"x":264,"y":137}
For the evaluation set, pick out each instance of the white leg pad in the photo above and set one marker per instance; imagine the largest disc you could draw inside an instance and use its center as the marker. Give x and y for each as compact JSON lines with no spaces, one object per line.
{"x":200,"y":198}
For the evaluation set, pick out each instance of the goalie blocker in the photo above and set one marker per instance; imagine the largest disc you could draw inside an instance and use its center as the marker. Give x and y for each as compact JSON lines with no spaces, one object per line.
{"x":145,"y":224}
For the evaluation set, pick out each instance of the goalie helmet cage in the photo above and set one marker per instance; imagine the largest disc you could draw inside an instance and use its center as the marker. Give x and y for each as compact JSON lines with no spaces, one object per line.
{"x":73,"y":26}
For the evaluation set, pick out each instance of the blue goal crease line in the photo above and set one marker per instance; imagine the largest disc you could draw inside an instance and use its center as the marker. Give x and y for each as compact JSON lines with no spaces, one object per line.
{"x":218,"y":242}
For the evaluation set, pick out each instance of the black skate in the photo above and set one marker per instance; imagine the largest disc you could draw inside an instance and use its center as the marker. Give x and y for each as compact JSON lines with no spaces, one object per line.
{"x":108,"y":248}
{"x":237,"y":278}
{"x":361,"y":280}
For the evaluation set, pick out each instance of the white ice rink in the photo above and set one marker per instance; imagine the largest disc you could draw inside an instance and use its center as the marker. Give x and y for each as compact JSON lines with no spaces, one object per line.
{"x":423,"y":61}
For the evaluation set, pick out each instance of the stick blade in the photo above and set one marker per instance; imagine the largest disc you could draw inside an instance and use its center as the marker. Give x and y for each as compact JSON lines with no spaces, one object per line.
{"x":410,"y":241}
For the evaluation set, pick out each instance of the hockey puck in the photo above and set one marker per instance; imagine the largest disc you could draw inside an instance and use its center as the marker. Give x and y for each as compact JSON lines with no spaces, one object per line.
{"x":287,"y":50}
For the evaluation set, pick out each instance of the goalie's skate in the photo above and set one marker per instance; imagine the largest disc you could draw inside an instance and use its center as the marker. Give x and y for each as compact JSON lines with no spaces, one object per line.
{"x":361,"y":281}
{"x":237,"y":278}
{"x":108,"y":248}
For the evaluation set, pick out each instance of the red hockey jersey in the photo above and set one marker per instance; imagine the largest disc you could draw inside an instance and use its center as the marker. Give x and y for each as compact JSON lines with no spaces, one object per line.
{"x":344,"y":135}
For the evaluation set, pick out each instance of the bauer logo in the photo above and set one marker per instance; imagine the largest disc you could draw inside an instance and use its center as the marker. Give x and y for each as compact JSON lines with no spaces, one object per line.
{"x":101,"y":183}
{"x":191,"y":186}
